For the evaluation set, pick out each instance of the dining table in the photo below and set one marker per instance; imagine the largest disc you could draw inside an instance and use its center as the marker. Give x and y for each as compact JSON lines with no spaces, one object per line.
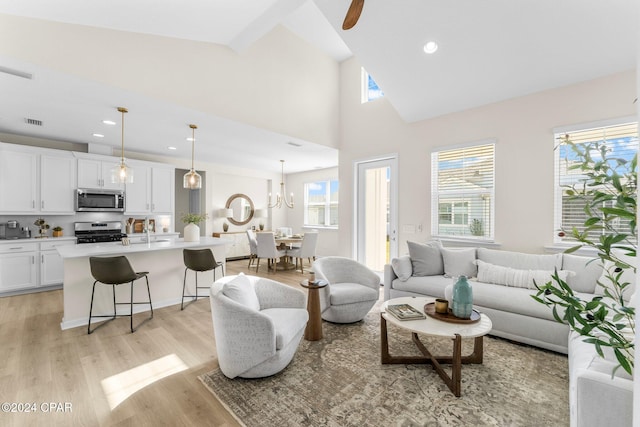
{"x":285,"y":242}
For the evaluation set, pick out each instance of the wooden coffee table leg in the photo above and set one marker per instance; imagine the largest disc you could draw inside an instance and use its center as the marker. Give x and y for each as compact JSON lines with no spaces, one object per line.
{"x":386,"y":358}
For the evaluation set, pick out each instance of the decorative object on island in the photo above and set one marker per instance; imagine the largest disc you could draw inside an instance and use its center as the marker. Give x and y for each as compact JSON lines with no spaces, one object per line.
{"x":261,"y":213}
{"x":192,"y":179}
{"x":57,"y":231}
{"x":191,"y":230}
{"x":607,"y":188}
{"x":122,"y":173}
{"x":283,"y":198}
{"x":225,"y":213}
{"x":42,"y":227}
{"x":462,"y":298}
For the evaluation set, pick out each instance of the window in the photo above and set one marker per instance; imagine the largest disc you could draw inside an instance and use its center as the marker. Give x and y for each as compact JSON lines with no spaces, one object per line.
{"x":620,"y":138}
{"x":462,"y":192}
{"x":321,"y":204}
{"x":370,"y":89}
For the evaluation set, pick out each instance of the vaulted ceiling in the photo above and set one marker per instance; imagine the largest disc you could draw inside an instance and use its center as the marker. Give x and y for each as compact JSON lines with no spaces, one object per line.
{"x":489,"y":51}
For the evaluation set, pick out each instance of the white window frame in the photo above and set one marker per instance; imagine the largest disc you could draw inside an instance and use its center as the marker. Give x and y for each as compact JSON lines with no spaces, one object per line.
{"x":327,"y":204}
{"x":461,"y":196}
{"x":365,"y":94}
{"x":558,"y":190}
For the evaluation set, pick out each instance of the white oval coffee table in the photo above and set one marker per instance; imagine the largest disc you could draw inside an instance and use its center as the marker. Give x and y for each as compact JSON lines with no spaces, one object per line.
{"x":437,"y":328}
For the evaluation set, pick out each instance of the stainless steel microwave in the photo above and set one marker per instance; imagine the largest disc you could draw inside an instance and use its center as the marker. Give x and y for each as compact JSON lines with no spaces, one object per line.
{"x":89,"y":200}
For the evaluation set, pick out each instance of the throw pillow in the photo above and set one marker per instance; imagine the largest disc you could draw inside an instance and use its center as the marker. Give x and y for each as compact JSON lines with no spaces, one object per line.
{"x":426,"y":259}
{"x":507,"y":276}
{"x":459,"y":262}
{"x":241,"y":290}
{"x":402,"y":267}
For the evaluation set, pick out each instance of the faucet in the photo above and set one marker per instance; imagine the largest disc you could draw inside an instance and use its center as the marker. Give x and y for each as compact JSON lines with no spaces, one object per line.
{"x":146,"y":229}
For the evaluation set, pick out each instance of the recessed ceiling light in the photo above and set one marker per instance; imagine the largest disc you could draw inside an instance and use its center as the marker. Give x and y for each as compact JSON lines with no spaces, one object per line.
{"x":430,"y":47}
{"x":190,"y":139}
{"x":109,"y":122}
{"x":171,"y":148}
{"x":98,"y":135}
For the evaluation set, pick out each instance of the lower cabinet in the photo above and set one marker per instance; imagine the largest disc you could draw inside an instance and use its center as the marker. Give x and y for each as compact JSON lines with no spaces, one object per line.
{"x":51,"y":264}
{"x":239,"y":246}
{"x":18,"y":266}
{"x":25,"y":264}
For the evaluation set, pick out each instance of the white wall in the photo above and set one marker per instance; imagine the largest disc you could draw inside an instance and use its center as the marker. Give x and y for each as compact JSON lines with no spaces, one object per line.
{"x":523,"y":128}
{"x":280,"y":83}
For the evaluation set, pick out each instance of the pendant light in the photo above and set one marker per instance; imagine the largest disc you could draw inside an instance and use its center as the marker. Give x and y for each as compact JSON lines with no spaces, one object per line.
{"x":122,"y":173}
{"x":192,"y":180}
{"x":283,"y":198}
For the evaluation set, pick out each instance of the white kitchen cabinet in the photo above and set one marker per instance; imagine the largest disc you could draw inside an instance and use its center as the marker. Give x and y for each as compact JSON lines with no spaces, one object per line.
{"x":57,"y":184}
{"x":239,"y":246}
{"x":18,"y":181}
{"x":18,"y":266}
{"x":96,"y":173}
{"x":152,"y":190}
{"x":51,"y":264}
{"x":138,"y":193}
{"x":36,"y":181}
{"x":162,"y":190}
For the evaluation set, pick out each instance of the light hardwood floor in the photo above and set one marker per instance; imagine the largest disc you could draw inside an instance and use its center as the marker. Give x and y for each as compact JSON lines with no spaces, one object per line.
{"x":41,"y":364}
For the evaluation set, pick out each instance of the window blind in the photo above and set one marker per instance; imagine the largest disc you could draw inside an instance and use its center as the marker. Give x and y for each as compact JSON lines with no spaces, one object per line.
{"x":620,"y":140}
{"x":462,"y":192}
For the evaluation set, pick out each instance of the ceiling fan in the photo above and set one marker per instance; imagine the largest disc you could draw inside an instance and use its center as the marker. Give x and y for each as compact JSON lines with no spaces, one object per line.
{"x":353,"y":14}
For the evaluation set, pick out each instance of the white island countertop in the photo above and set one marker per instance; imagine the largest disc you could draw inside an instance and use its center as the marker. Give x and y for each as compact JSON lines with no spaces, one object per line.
{"x":117,"y":248}
{"x":162,"y":259}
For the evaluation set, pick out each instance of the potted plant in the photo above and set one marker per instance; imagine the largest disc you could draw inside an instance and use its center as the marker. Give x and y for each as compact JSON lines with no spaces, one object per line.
{"x":608,"y":192}
{"x":191,"y":230}
{"x":57,"y":231}
{"x":42,"y":227}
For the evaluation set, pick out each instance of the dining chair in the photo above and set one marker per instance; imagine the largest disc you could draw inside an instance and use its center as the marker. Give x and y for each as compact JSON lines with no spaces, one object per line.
{"x":267,"y":249}
{"x":306,"y":250}
{"x":253,"y":246}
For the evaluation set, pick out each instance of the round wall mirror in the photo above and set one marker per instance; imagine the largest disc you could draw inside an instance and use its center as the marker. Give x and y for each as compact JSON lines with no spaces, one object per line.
{"x":242,"y":207}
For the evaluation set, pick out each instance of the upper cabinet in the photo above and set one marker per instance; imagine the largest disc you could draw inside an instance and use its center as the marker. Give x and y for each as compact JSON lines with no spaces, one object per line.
{"x":152,"y":190}
{"x":36,"y":181}
{"x":97,"y":173}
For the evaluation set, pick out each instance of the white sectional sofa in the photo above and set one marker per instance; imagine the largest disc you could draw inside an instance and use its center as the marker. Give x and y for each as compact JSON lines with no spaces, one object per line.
{"x":502,"y":283}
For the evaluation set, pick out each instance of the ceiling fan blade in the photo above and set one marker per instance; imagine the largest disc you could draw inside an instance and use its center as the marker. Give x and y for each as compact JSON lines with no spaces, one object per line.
{"x":353,"y":14}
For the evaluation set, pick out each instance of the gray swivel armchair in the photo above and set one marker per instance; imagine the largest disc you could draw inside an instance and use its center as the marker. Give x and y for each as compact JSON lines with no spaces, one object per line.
{"x":258,"y":324}
{"x":352,"y":289}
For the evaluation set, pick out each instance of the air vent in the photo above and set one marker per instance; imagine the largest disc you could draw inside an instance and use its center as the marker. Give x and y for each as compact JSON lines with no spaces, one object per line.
{"x":33,"y":122}
{"x":295,"y":144}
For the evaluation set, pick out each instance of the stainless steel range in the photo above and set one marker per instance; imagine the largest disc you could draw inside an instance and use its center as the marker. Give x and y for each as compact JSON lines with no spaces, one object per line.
{"x":96,"y":232}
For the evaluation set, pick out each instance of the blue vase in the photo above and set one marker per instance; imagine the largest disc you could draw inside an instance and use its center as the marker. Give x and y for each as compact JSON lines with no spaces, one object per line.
{"x":462,"y":298}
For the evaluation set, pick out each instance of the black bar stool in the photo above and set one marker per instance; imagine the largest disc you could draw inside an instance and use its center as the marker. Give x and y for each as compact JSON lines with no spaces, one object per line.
{"x":198,"y":260}
{"x":116,"y":271}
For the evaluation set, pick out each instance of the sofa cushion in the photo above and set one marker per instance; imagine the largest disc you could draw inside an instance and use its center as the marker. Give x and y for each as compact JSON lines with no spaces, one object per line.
{"x":402,"y":267}
{"x":508,"y":299}
{"x":587,"y":272}
{"x":520,"y":260}
{"x":459,"y":262}
{"x":427,"y":285}
{"x":241,"y":291}
{"x":499,"y":275}
{"x":426,"y":259}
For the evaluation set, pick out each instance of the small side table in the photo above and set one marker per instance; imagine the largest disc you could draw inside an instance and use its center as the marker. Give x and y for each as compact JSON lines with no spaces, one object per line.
{"x":313,"y":331}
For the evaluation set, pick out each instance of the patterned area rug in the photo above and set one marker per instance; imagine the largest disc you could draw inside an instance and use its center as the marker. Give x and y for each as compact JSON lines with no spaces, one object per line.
{"x":339,"y":381}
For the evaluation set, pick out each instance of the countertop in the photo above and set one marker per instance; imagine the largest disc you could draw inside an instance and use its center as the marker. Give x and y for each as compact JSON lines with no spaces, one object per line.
{"x":116,"y":248}
{"x":36,"y":240}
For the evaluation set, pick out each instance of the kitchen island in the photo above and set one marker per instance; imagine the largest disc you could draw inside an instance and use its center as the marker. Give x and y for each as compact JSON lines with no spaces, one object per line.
{"x":162,"y":259}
